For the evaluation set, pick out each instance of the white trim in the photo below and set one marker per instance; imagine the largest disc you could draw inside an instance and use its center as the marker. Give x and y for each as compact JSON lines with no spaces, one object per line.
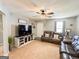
{"x":25,"y":44}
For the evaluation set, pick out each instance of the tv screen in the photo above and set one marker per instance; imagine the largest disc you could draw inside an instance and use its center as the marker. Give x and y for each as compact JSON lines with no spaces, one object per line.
{"x":30,"y":29}
{"x":24,"y":30}
{"x":21,"y":30}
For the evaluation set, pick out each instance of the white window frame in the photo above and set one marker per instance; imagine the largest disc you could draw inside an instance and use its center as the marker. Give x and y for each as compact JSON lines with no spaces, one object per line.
{"x":59,"y":26}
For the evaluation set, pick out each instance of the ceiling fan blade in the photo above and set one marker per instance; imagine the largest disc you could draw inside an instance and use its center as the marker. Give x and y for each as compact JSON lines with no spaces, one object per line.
{"x":50,"y":13}
{"x":38,"y":12}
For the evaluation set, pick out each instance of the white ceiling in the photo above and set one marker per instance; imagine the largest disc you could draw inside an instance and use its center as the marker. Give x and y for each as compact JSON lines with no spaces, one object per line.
{"x":61,"y":8}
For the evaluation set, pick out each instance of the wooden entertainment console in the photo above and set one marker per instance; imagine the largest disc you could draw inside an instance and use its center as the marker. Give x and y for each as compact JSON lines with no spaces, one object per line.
{"x":20,"y":41}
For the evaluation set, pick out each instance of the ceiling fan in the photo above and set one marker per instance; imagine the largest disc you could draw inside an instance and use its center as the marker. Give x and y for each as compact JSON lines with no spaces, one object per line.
{"x":45,"y":13}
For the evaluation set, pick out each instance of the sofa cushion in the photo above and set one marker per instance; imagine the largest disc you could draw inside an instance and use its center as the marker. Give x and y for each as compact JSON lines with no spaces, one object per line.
{"x":77,"y":48}
{"x":64,"y":56}
{"x":63,"y":47}
{"x":71,"y":51}
{"x":68,"y":49}
{"x":67,"y":56}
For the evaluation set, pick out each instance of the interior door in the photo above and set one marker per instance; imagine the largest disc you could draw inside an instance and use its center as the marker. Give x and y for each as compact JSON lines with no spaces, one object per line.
{"x":39,"y":29}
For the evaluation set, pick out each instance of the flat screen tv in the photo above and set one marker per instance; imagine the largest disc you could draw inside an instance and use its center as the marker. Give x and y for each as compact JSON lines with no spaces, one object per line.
{"x":29,"y":29}
{"x":24,"y":30}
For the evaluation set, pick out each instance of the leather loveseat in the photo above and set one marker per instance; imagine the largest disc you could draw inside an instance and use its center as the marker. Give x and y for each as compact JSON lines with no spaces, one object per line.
{"x":68,"y":51}
{"x":52,"y":37}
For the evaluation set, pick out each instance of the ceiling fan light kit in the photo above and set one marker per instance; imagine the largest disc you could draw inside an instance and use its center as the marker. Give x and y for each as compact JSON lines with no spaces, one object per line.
{"x":44,"y":12}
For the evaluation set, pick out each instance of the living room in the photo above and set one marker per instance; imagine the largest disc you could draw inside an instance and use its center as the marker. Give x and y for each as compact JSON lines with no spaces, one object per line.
{"x":40,"y":16}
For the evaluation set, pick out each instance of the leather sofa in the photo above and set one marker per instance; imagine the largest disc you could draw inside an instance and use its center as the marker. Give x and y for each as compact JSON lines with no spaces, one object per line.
{"x":52,"y":37}
{"x":67,"y":47}
{"x":67,"y":51}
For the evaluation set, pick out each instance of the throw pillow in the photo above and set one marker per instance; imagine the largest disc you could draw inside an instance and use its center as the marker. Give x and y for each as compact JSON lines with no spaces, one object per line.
{"x":74,"y":40}
{"x":46,"y":35}
{"x":56,"y":36}
{"x":75,"y":43}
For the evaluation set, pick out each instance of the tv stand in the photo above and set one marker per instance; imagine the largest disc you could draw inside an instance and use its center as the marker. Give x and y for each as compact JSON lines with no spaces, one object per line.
{"x":22,"y":40}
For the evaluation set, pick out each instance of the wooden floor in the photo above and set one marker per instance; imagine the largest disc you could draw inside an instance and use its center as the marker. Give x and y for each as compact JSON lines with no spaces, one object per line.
{"x":36,"y":50}
{"x":1,"y":51}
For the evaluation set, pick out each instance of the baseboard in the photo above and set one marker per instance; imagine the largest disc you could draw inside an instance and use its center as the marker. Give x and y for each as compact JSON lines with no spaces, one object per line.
{"x":25,"y":44}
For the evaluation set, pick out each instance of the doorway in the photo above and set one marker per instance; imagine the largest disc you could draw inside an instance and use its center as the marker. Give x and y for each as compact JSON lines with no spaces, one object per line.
{"x":39,"y":29}
{"x":1,"y":35}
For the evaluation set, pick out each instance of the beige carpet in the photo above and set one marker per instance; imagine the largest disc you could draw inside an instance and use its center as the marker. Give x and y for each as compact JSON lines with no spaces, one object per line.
{"x":36,"y":50}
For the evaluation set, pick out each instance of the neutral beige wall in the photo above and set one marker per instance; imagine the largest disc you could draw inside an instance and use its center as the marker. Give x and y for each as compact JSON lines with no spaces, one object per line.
{"x":50,"y":24}
{"x":77,"y":25}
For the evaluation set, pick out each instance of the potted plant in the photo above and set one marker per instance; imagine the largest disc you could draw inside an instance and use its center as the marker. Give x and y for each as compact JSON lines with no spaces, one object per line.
{"x":10,"y":41}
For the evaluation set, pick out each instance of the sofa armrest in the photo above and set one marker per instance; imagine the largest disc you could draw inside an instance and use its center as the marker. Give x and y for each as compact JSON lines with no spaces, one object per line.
{"x":71,"y":54}
{"x":42,"y":36}
{"x":67,"y":42}
{"x":70,"y":51}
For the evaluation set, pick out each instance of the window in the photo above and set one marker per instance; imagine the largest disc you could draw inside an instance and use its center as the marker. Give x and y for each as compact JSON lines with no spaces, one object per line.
{"x":59,"y":26}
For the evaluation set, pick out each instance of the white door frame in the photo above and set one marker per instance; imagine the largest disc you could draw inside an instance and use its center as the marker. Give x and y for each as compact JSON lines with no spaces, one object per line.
{"x":5,"y":36}
{"x":39,"y":29}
